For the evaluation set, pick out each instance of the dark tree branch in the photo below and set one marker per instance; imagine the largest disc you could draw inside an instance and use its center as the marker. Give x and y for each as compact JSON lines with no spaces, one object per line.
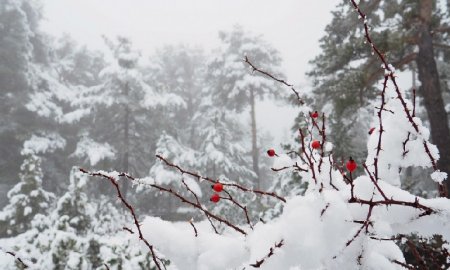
{"x":254,"y":68}
{"x":259,"y":262}
{"x":131,"y":210}
{"x":199,"y":177}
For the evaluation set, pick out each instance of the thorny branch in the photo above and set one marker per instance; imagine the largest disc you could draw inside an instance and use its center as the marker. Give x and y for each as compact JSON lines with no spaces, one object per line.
{"x":212,"y":181}
{"x":174,"y":193}
{"x":131,"y":210}
{"x":390,"y":73}
{"x":244,"y":208}
{"x":198,"y":203}
{"x":254,"y":68}
{"x":258,"y":263}
{"x":381,"y":129}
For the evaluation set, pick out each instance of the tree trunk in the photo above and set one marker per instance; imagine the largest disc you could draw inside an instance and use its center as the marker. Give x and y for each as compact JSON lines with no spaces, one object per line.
{"x":126,"y":130}
{"x":255,"y":150}
{"x":431,"y":89}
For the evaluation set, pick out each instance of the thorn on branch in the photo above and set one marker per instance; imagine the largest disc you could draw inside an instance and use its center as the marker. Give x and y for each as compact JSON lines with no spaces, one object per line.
{"x":258,"y":263}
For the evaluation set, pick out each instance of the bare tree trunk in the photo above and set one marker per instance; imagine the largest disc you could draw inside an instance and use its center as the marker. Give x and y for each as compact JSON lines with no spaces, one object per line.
{"x":255,"y":150}
{"x":126,"y":129}
{"x":431,"y":89}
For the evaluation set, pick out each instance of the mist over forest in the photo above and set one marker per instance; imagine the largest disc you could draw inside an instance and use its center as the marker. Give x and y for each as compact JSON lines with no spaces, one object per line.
{"x":116,"y":156}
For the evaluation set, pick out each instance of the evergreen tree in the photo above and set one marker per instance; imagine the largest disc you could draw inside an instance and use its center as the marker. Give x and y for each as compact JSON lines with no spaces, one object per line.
{"x":223,"y":155}
{"x":20,"y":45}
{"x":124,"y":110}
{"x":178,"y":71}
{"x":26,"y":199}
{"x":233,"y":85}
{"x":73,"y":210}
{"x":410,"y":33}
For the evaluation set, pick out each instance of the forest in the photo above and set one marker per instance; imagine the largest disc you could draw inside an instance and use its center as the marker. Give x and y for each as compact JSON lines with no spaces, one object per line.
{"x":115,"y":160}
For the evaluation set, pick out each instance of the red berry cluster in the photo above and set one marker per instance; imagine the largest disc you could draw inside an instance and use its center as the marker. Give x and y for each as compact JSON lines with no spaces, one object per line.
{"x":314,"y":114}
{"x":217,"y":187}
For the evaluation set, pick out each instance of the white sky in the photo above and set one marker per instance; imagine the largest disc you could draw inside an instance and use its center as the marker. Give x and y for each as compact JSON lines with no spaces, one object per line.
{"x":291,"y":26}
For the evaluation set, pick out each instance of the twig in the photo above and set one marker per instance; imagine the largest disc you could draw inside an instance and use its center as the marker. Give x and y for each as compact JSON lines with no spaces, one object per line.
{"x":198,"y":203}
{"x":199,"y":177}
{"x":374,"y":181}
{"x":258,"y":263}
{"x":244,"y":208}
{"x":131,"y":210}
{"x":171,"y":191}
{"x":24,"y":265}
{"x":254,"y":68}
{"x":193,"y":226}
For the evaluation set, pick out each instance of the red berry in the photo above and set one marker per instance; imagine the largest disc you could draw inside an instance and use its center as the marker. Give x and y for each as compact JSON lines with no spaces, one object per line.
{"x":315,"y":144}
{"x":271,"y":152}
{"x":315,"y":114}
{"x":351,"y":165}
{"x":215,"y":198}
{"x":371,"y":130}
{"x":218,"y":187}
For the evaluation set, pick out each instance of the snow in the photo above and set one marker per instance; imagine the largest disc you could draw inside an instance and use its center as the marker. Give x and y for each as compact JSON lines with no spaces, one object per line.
{"x":93,"y":151}
{"x":439,"y":176}
{"x":282,"y":161}
{"x":47,"y":143}
{"x":27,"y":210}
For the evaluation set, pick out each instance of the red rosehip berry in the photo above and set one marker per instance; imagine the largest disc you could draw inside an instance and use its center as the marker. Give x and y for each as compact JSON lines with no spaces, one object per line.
{"x":351,"y":165}
{"x":218,"y":187}
{"x":371,"y":130}
{"x":215,"y":198}
{"x":315,"y":114}
{"x":271,"y":152}
{"x":315,"y":144}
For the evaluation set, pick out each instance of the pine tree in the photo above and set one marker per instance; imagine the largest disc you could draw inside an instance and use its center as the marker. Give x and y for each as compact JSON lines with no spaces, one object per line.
{"x":26,"y":199}
{"x":20,"y":45}
{"x":233,"y":85}
{"x":223,"y":155}
{"x":410,"y":33}
{"x":178,"y":71}
{"x":124,"y":110}
{"x":74,"y":211}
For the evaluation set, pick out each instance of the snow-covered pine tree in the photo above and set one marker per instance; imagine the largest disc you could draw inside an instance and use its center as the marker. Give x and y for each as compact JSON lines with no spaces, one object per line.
{"x":222,"y":154}
{"x":122,"y":109}
{"x":178,"y":72}
{"x":233,"y":86}
{"x":26,"y":199}
{"x":21,"y":45}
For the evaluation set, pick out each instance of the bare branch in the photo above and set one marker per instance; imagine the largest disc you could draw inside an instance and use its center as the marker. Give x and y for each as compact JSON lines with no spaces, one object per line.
{"x":258,"y":263}
{"x":254,"y":68}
